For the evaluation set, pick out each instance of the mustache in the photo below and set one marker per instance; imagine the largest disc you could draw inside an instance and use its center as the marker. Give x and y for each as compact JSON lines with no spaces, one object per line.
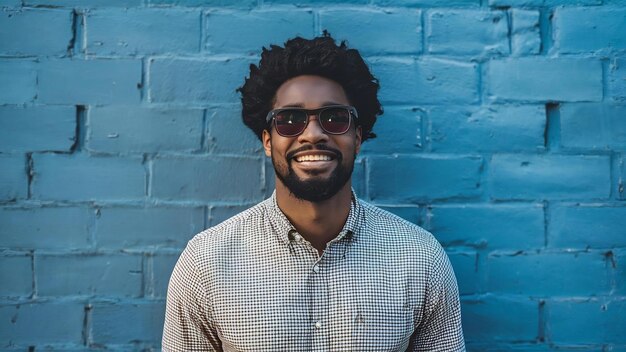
{"x":308,"y":147}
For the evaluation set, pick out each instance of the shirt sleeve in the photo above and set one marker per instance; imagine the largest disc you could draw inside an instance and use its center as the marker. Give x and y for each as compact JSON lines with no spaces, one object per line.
{"x":188,"y":325}
{"x":440,"y":329}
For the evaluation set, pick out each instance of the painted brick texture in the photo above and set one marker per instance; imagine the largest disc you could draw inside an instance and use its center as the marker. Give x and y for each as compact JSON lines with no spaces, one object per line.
{"x":504,"y":134}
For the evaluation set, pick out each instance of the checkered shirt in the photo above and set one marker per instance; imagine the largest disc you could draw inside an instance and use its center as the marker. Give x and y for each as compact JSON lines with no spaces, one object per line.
{"x":252,"y":283}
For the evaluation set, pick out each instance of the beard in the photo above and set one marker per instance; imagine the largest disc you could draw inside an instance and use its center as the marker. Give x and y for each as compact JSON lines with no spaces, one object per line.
{"x":317,"y":188}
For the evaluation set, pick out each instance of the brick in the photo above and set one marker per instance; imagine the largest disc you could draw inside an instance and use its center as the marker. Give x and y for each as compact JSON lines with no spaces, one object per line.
{"x":162,"y":267}
{"x":13,"y":178}
{"x":147,"y":318}
{"x":22,"y":32}
{"x":197,"y":80}
{"x":228,"y":134}
{"x":523,"y":3}
{"x":37,"y":128}
{"x":514,"y":226}
{"x":220,"y":3}
{"x":80,"y":177}
{"x":604,"y":126}
{"x":213,"y":178}
{"x":409,"y":213}
{"x":587,"y":225}
{"x":402,"y":34}
{"x":16,"y":275}
{"x":21,"y":76}
{"x":580,"y":29}
{"x":617,"y":260}
{"x":19,"y":321}
{"x":616,"y":86}
{"x":494,"y":128}
{"x":603,"y":321}
{"x":313,"y":2}
{"x":621,"y":165}
{"x":466,"y":271}
{"x":434,"y":3}
{"x":269,"y":176}
{"x":483,"y":319}
{"x":511,"y":346}
{"x":84,"y":3}
{"x":398,"y":130}
{"x":147,"y":227}
{"x":89,"y":275}
{"x":542,"y":79}
{"x":528,"y":274}
{"x":247,"y":32}
{"x":425,"y":81}
{"x":467,"y":32}
{"x":525,"y":32}
{"x":410,"y":178}
{"x":45,"y":228}
{"x":142,"y":31}
{"x":139,"y":129}
{"x":98,"y":81}
{"x":358,"y":179}
{"x":220,"y":213}
{"x":549,"y":177}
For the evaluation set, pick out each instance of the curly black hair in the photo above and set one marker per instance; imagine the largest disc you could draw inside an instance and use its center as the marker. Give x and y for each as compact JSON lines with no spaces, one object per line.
{"x":320,"y":57}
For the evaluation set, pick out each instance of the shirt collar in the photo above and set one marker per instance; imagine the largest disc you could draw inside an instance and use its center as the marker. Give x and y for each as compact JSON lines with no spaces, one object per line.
{"x":284,"y":229}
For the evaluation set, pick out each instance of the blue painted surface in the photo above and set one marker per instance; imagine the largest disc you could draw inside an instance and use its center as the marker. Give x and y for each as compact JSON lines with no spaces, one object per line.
{"x":22,"y":32}
{"x":550,"y":177}
{"x":21,"y":76}
{"x":16,"y":275}
{"x":94,"y":81}
{"x":39,"y":128}
{"x":143,"y":31}
{"x":503,"y":134}
{"x":467,"y":32}
{"x":525,"y":32}
{"x":603,"y":125}
{"x":13,"y":184}
{"x":119,"y":129}
{"x":104,"y":275}
{"x":402,"y":34}
{"x":499,"y":128}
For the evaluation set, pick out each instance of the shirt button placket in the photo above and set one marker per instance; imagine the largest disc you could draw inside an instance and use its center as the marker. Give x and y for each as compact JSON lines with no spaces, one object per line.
{"x":319,"y":308}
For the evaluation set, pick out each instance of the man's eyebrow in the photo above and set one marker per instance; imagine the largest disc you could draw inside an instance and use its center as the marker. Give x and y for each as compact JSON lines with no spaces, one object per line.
{"x":301,"y":105}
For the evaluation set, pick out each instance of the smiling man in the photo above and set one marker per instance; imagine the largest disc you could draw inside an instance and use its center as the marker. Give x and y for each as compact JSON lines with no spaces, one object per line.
{"x":312,"y":268}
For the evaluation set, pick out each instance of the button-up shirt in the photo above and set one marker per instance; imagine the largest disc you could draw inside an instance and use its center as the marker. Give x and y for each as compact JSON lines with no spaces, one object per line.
{"x":253,"y":283}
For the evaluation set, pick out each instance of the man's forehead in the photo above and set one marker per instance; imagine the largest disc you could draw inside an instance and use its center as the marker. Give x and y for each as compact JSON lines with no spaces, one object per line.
{"x":307,"y":90}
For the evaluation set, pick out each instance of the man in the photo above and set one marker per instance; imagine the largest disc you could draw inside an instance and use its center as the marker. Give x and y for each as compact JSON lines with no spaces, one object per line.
{"x":312,"y":268}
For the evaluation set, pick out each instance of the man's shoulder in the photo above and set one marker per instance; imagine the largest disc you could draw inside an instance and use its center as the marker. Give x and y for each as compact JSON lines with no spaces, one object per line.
{"x":248,"y":220}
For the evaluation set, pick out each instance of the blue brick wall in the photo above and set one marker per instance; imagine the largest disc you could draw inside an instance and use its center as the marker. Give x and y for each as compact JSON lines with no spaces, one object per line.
{"x":504,"y":134}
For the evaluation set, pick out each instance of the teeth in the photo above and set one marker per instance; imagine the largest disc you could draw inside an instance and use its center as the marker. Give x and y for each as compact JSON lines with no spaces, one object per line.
{"x":313,"y":158}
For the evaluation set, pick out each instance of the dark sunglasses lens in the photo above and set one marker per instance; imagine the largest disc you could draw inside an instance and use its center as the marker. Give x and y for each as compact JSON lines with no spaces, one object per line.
{"x":335,"y":120}
{"x":290,"y":122}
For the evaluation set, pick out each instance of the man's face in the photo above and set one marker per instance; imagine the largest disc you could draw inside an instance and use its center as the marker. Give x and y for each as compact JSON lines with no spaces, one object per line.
{"x":301,"y":162}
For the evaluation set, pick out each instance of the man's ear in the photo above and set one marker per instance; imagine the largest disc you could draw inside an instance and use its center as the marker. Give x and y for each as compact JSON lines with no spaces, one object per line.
{"x":267,"y":142}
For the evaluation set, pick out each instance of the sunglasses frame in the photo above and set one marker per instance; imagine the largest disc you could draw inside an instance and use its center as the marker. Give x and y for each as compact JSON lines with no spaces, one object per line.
{"x":317,"y":112}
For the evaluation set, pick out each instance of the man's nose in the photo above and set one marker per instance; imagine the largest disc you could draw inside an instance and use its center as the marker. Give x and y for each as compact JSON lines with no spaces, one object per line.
{"x":313,"y":133}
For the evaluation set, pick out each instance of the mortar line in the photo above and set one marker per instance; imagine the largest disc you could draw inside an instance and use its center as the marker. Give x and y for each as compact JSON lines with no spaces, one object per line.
{"x":33,"y":293}
{"x":30,"y":175}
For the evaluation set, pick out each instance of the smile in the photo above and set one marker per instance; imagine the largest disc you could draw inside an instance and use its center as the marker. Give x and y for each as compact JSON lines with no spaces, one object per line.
{"x":313,"y":157}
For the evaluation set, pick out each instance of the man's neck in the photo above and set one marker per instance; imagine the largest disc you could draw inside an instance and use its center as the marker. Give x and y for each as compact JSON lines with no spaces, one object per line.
{"x":317,"y":222}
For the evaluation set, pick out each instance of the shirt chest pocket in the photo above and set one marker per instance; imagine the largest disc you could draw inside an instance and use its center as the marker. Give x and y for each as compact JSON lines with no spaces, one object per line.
{"x":383,"y":329}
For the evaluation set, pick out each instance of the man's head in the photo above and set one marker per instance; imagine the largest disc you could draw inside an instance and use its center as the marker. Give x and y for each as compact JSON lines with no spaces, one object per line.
{"x":313,"y":147}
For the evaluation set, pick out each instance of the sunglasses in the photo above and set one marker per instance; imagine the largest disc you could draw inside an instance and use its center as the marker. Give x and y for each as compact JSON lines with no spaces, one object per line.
{"x":334,"y":119}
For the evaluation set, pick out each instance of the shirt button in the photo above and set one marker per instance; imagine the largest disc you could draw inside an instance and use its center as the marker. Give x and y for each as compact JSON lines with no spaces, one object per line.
{"x":318,"y":325}
{"x":316,"y":268}
{"x":297,"y":237}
